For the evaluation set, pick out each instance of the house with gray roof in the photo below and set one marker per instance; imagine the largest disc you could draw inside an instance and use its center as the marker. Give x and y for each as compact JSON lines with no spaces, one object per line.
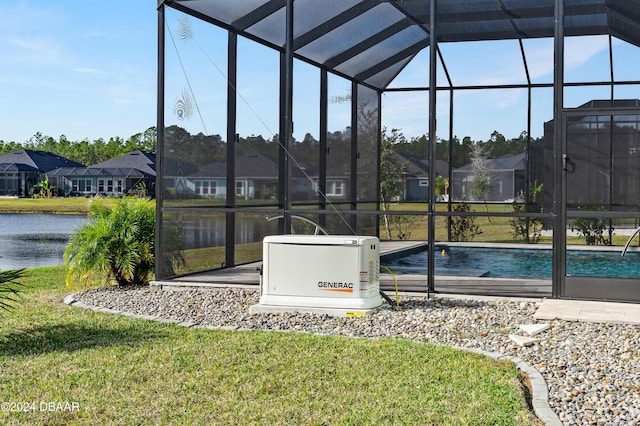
{"x":21,"y":170}
{"x":508,"y":175}
{"x":257,"y":177}
{"x":415,"y":177}
{"x":128,"y":174}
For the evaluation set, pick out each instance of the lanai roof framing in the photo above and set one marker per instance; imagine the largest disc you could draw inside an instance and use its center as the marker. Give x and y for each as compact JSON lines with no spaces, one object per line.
{"x":371,"y":41}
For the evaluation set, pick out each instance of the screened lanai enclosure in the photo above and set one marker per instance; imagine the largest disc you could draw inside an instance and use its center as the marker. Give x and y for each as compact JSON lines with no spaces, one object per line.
{"x":291,"y":108}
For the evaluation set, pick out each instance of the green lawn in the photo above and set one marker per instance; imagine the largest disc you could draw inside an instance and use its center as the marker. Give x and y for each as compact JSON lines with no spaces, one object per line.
{"x":72,"y":205}
{"x":110,"y":369}
{"x":494,"y":229}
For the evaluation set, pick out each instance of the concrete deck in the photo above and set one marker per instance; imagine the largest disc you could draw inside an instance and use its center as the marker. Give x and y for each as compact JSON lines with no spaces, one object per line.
{"x":589,"y":311}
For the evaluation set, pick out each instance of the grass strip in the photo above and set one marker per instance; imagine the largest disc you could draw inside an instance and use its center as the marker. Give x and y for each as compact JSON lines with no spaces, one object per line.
{"x":58,"y":205}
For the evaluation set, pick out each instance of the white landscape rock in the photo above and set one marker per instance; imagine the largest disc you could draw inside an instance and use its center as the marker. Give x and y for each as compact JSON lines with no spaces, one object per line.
{"x":523,"y":340}
{"x":533,"y":329}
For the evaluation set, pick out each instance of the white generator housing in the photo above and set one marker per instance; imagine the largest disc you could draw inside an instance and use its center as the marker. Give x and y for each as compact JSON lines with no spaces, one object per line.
{"x":335,"y":274}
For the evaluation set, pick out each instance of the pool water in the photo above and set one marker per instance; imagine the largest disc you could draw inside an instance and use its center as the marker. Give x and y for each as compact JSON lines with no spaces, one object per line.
{"x":517,"y":263}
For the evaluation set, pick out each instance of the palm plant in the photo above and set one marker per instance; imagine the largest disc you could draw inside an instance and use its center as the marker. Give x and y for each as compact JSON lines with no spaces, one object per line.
{"x":45,"y":188}
{"x":116,"y":244}
{"x":9,"y":287}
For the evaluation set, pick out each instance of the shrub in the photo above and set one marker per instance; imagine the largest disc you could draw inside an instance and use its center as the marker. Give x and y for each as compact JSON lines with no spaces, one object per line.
{"x":403,"y":225}
{"x":527,"y":229}
{"x":115,"y":244}
{"x":463,"y":228}
{"x":591,"y":228}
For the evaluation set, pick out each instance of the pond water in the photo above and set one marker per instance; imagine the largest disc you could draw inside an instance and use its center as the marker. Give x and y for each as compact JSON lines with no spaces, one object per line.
{"x":30,"y":240}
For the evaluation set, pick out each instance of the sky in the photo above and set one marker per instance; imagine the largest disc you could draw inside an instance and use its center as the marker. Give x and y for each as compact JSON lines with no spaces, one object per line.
{"x":87,"y":70}
{"x":81,"y":68}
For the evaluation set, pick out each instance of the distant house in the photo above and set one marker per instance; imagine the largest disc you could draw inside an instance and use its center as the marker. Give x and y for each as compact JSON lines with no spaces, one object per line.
{"x":21,"y":170}
{"x":416,"y":176}
{"x":508,"y":180}
{"x":129,"y":174}
{"x":338,"y":182}
{"x":257,"y":177}
{"x":209,"y":181}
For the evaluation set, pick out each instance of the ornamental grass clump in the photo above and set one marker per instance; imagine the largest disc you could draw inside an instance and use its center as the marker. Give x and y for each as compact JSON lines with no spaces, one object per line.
{"x":116,"y":245}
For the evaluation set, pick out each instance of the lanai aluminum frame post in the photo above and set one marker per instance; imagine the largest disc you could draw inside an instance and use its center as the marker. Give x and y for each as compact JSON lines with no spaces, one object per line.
{"x":322,"y":160}
{"x":286,"y":118}
{"x":232,"y":139}
{"x":559,"y":206}
{"x":433,"y":49}
{"x":160,"y":139}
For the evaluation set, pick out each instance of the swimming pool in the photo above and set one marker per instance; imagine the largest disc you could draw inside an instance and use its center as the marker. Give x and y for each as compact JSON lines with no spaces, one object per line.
{"x":516,"y":263}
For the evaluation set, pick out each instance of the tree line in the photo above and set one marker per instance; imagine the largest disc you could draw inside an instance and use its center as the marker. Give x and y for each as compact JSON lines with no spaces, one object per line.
{"x":86,"y":152}
{"x":200,"y":149}
{"x":462,"y":150}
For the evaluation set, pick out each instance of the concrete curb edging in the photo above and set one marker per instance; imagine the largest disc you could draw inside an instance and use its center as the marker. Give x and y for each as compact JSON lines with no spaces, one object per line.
{"x":539,"y":390}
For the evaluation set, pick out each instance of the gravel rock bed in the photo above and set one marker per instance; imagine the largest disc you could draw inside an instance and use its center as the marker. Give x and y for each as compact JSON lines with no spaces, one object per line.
{"x":592,"y":369}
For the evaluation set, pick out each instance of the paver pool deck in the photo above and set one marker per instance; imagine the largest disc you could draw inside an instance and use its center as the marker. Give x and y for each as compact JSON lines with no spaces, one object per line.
{"x":580,"y":310}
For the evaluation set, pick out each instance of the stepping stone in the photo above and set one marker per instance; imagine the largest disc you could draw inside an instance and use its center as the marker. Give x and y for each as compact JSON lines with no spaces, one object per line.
{"x":523,"y":340}
{"x":533,"y":329}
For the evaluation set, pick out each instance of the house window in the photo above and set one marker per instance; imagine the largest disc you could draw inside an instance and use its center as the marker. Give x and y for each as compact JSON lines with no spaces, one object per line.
{"x":423,"y":182}
{"x":206,"y":187}
{"x":335,"y":188}
{"x":240,"y":188}
{"x":113,"y":186}
{"x":81,"y":185}
{"x":100,"y":185}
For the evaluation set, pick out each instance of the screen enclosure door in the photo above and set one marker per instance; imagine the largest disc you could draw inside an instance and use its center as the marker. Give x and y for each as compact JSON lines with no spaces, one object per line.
{"x":601,"y":179}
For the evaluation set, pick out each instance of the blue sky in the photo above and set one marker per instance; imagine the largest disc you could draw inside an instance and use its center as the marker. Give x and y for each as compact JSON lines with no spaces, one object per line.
{"x":82,"y":68}
{"x":87,"y":69}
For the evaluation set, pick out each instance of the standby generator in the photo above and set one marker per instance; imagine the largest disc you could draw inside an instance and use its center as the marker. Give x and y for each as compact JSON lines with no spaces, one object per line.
{"x":338,"y":274}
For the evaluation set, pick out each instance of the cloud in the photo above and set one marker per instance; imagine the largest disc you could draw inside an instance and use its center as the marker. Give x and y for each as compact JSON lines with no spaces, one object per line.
{"x":539,"y":54}
{"x":41,"y":50}
{"x":89,"y":70}
{"x":578,"y":50}
{"x":128,"y":95}
{"x":409,"y":112}
{"x":16,"y":15}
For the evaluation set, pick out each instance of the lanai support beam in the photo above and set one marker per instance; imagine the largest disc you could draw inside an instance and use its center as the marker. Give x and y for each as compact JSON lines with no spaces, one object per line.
{"x":287,"y":119}
{"x":160,"y":140}
{"x":559,"y":207}
{"x":232,"y":139}
{"x":433,"y":50}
